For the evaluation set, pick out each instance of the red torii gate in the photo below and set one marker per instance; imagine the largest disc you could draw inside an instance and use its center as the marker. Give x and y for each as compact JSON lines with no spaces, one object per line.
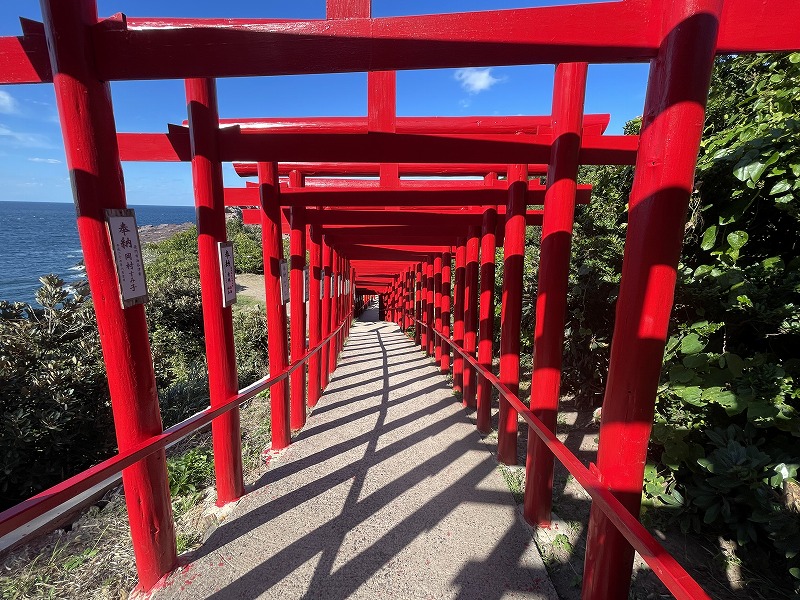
{"x":81,"y":54}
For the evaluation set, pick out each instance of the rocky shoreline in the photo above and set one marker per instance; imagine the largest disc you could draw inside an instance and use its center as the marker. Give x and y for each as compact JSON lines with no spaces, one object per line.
{"x":149,"y":234}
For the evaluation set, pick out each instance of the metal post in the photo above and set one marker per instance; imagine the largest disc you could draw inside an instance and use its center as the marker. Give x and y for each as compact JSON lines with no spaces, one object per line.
{"x":471,"y":313}
{"x":458,"y":313}
{"x":486,"y":323}
{"x":551,"y":298}
{"x":201,"y":97}
{"x":676,"y":95}
{"x":276,"y":311}
{"x":511,"y":317}
{"x":90,"y":142}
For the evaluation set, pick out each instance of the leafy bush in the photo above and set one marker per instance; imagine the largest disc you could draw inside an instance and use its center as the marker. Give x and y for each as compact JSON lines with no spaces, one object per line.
{"x":191,"y":471}
{"x":727,"y":420}
{"x":250,"y":341}
{"x":247,"y":249}
{"x":54,"y":401}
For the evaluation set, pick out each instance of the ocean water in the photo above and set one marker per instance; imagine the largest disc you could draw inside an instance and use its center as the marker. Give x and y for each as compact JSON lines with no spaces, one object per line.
{"x":37,"y":238}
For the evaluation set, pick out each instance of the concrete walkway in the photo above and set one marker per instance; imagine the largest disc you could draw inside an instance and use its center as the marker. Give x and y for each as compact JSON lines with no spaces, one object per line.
{"x":388,"y":492}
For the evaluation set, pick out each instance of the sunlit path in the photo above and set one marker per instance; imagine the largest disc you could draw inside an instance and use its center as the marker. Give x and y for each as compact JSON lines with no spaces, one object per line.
{"x":388,"y":492}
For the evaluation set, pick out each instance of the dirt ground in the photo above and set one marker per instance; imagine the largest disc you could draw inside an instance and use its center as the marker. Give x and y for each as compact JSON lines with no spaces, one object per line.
{"x":250,"y":285}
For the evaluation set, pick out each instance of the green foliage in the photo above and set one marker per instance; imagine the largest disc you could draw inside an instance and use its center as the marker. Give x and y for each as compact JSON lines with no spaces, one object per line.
{"x":54,"y":397}
{"x":185,"y":396}
{"x":727,"y":422}
{"x":247,"y":249}
{"x":54,"y":401}
{"x":250,"y":341}
{"x":175,"y":322}
{"x":173,"y":257}
{"x":191,"y":471}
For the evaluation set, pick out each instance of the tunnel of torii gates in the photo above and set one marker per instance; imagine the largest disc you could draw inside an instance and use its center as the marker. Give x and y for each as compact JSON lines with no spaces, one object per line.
{"x":357,"y":195}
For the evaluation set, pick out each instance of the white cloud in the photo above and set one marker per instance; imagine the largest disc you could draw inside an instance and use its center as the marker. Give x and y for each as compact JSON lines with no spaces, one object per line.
{"x":476,"y":80}
{"x":21,"y":139}
{"x":8,"y":106}
{"x":49,"y":161}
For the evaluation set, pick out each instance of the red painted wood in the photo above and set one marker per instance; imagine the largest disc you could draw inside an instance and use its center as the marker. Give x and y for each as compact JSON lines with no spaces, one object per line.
{"x":471,"y":313}
{"x":511,"y":312}
{"x":339,"y":307}
{"x":486,"y":319}
{"x":409,"y":292}
{"x":437,"y":307}
{"x":25,"y":58}
{"x":458,"y":312}
{"x":297,"y":313}
{"x":201,"y":97}
{"x":367,"y":169}
{"x":425,"y":334}
{"x":551,"y":299}
{"x":346,"y":9}
{"x":276,"y":312}
{"x":429,"y":306}
{"x":446,"y":302}
{"x":87,"y":125}
{"x":595,"y":124}
{"x":758,"y":26}
{"x":674,"y":577}
{"x":418,"y":303}
{"x":252,"y":145}
{"x":436,"y":196}
{"x":175,"y":48}
{"x":378,"y":217}
{"x":24,"y":512}
{"x":327,"y":268}
{"x":314,"y":312}
{"x":676,"y":94}
{"x":146,"y":48}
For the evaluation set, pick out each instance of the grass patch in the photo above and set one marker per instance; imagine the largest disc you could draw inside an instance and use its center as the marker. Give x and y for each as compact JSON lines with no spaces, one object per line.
{"x":515,"y":480}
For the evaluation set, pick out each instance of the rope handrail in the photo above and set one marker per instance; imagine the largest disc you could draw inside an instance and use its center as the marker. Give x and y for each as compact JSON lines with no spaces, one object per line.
{"x":27,"y":510}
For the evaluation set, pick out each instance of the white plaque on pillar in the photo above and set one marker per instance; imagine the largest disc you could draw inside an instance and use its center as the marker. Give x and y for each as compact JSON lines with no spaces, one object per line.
{"x":284,"y":267}
{"x":333,"y":286}
{"x":306,"y":284}
{"x":322,"y":287}
{"x":227,"y":272}
{"x":124,"y":238}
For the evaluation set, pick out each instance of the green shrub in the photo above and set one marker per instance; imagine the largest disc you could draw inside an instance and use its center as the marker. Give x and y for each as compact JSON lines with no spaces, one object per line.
{"x":175,"y":322}
{"x":191,"y":471}
{"x":250,"y":341}
{"x":54,"y":401}
{"x":247,"y":249}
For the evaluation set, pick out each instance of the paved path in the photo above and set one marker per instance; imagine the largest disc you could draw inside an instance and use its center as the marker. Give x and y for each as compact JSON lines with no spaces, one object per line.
{"x":388,"y":492}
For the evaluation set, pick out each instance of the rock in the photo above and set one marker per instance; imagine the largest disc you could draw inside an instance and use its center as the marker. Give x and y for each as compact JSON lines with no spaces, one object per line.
{"x":149,"y":234}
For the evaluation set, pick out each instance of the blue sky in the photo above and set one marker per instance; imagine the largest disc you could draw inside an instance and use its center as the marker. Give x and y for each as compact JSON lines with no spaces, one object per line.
{"x":32,"y":158}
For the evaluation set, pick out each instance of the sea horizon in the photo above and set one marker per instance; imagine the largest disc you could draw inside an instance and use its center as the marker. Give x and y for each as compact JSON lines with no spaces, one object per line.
{"x":38,"y":238}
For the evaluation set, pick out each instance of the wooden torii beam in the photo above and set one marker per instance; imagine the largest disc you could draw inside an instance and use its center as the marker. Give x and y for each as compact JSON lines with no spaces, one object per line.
{"x":174,"y":48}
{"x":369,"y":169}
{"x":237,"y":144}
{"x":476,"y":195}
